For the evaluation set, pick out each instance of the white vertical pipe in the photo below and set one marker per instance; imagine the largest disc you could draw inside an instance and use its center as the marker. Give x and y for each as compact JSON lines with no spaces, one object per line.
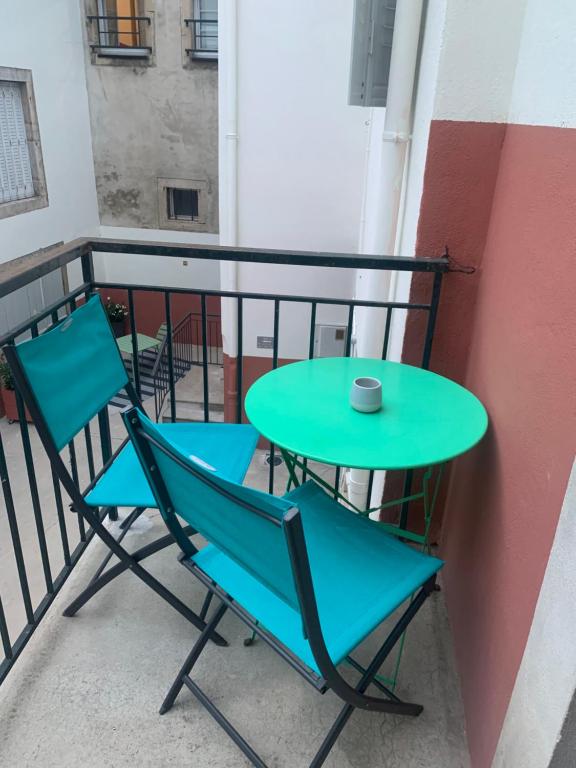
{"x":389,"y":137}
{"x":228,"y":162}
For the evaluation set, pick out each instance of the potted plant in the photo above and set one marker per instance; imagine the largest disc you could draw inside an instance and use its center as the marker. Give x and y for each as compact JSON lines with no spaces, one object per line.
{"x":8,"y":393}
{"x":117,"y":314}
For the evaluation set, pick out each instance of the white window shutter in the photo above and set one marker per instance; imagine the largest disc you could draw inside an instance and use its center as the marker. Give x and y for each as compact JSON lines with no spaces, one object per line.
{"x":371,"y":52}
{"x":15,"y":168}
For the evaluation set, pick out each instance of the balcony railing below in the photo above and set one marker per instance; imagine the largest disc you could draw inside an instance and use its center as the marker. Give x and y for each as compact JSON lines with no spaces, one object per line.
{"x":121,"y":36}
{"x":204,"y":38}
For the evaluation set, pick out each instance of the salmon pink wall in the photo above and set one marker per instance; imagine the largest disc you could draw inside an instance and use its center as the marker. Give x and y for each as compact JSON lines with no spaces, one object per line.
{"x":507,"y":333}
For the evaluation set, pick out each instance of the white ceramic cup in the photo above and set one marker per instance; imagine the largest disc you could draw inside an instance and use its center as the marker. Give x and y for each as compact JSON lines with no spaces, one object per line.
{"x":366,"y":394}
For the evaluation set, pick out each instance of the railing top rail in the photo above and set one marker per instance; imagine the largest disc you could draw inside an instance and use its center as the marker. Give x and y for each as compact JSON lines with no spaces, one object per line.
{"x":120,"y":18}
{"x":300,"y":258}
{"x":25,"y":269}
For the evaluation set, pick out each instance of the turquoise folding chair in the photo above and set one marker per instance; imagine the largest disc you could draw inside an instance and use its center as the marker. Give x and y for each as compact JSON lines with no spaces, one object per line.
{"x":67,"y":376}
{"x":310,"y":577}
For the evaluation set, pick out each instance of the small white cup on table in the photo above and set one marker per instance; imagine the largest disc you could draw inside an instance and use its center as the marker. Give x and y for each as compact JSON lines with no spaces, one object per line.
{"x":366,"y":394}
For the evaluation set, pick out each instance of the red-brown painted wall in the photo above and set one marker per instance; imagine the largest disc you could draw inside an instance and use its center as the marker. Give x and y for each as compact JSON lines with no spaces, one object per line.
{"x":252,"y":368}
{"x":149,"y":308}
{"x":504,"y":199}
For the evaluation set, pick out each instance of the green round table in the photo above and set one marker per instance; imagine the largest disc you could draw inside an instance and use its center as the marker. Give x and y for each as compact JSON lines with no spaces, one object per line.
{"x":425,"y":418}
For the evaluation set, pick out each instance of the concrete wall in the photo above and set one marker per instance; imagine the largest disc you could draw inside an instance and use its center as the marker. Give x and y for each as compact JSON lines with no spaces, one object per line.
{"x":153,"y":120}
{"x":28,"y":32}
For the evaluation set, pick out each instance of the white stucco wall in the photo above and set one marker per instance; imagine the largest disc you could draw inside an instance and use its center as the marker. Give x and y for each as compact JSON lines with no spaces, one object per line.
{"x":300,"y":154}
{"x":544,"y":91}
{"x":156,"y":270}
{"x":546,"y":679}
{"x":47,"y":39}
{"x":478,"y":59}
{"x":426,"y":86}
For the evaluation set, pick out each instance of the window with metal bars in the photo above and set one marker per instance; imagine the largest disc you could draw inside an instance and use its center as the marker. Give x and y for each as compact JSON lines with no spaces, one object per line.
{"x":371,"y":52}
{"x":16,"y":179}
{"x":204,"y":29}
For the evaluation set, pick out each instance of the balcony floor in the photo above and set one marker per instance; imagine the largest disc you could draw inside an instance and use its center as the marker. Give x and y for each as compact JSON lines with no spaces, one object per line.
{"x":86,"y":690}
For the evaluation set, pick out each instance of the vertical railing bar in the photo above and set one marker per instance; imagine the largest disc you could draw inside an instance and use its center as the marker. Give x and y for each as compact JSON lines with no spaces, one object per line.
{"x":205,"y":359}
{"x":274,"y":365}
{"x":403,"y":523}
{"x":433,"y":313}
{"x":76,"y":479}
{"x":349,"y":330}
{"x":89,"y":451}
{"x":133,"y":334}
{"x":87,"y":262}
{"x":15,"y":535}
{"x":347,"y":349}
{"x":311,"y":339}
{"x":387,"y":333}
{"x":4,"y":634}
{"x":29,"y":461}
{"x":370,"y":484}
{"x":61,"y":519}
{"x":168,"y":313}
{"x":312,"y":331}
{"x":239,"y":353}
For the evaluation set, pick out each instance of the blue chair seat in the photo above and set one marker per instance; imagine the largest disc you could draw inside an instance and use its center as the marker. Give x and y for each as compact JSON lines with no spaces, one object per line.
{"x":360,"y":573}
{"x":228,"y":448}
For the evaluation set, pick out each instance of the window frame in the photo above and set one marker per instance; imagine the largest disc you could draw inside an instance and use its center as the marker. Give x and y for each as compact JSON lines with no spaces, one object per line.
{"x":202,"y":54}
{"x":23,"y":78}
{"x":100,"y":37}
{"x":190,"y":225}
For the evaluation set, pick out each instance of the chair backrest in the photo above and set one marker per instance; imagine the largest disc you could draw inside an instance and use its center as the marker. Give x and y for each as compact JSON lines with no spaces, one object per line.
{"x":73,"y":370}
{"x":244,"y":523}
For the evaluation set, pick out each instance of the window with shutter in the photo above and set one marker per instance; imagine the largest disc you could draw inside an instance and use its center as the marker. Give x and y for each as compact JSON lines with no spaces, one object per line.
{"x":22,"y":180}
{"x":371,"y":52}
{"x":15,"y":166}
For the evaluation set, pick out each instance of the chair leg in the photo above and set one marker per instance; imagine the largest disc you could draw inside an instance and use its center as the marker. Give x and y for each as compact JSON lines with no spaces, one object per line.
{"x":132,"y":562}
{"x":125,"y":527}
{"x":224,"y":723}
{"x":192,"y":658}
{"x":206,"y":605}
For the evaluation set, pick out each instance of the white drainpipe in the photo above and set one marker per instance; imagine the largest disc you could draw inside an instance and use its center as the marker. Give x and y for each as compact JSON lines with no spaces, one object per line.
{"x":228,"y":159}
{"x":390,"y":134}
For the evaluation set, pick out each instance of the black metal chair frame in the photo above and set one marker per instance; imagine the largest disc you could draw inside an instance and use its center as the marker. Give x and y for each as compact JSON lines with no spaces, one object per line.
{"x":128,"y":561}
{"x":330,"y":679}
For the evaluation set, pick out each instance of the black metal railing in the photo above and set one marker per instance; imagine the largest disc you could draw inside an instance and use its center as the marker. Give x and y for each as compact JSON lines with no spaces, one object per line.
{"x":34,"y":566}
{"x":204,"y":38}
{"x":121,"y":36}
{"x":187,"y":351}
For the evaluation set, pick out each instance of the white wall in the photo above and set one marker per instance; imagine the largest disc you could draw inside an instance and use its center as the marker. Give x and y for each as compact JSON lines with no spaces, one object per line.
{"x":47,"y":39}
{"x":427,"y":80}
{"x":546,"y":679}
{"x":478,"y":59}
{"x":543,"y":92}
{"x":157,"y":270}
{"x":300,"y":153}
